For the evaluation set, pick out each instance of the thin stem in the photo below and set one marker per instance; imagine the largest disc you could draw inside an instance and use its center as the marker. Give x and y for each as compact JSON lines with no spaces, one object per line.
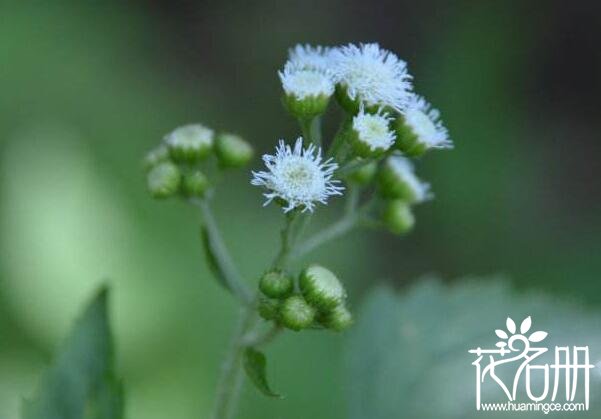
{"x":222,"y":257}
{"x":338,"y":229}
{"x":256,"y":338}
{"x":232,"y":377}
{"x":344,"y":225}
{"x":352,"y":166}
{"x":339,"y":137}
{"x":311,"y":129}
{"x":287,"y":237}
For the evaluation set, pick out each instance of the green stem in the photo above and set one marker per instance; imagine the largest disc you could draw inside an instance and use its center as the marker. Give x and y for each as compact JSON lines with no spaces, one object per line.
{"x":232,"y":377}
{"x":311,"y":129}
{"x":287,"y":236}
{"x":222,"y":258}
{"x":256,"y":338}
{"x":341,"y":227}
{"x":340,"y":137}
{"x":353,"y":214}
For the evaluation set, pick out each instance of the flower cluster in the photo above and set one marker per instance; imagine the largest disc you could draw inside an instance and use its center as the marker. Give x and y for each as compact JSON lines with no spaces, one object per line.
{"x":386,"y":124}
{"x":178,"y":164}
{"x":319,"y":304}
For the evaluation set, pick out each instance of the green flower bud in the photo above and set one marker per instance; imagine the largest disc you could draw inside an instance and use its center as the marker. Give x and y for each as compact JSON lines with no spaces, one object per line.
{"x":190,"y":143}
{"x":307,"y":91}
{"x":233,"y":151}
{"x":276,"y":284}
{"x":321,"y":287}
{"x":296,"y":313}
{"x":364,"y":174}
{"x":338,"y":319}
{"x":397,"y":180}
{"x":196,"y":184}
{"x":269,"y":309}
{"x":306,"y":107}
{"x":155,"y":156}
{"x":163,"y":180}
{"x":397,"y":217}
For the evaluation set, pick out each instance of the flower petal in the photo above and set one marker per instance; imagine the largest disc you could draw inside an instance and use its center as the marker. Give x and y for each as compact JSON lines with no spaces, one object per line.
{"x":510,"y":325}
{"x":526,"y":324}
{"x":537,"y":336}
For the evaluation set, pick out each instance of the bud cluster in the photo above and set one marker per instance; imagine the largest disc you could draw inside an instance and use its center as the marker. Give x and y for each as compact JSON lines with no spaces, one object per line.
{"x":315,"y":300}
{"x":180,"y":165}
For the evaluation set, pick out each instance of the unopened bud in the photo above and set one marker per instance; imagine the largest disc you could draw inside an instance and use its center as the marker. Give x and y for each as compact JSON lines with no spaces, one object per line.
{"x":276,"y":284}
{"x":163,"y":180}
{"x":190,"y":143}
{"x":196,"y":184}
{"x":155,"y":156}
{"x":296,"y":313}
{"x":269,"y":309}
{"x":321,"y":287}
{"x":338,"y":319}
{"x":397,"y":217}
{"x":233,"y":151}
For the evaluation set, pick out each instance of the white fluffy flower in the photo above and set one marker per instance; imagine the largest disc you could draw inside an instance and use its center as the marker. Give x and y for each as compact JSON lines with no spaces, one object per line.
{"x":425,"y":123}
{"x":403,"y":169}
{"x":303,"y":82}
{"x":373,"y":75}
{"x":298,"y":176}
{"x":311,"y":58}
{"x":372,"y":131}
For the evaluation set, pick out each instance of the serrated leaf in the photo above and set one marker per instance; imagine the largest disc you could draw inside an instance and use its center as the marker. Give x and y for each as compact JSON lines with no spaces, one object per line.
{"x":255,"y":365}
{"x":526,"y":324}
{"x":80,"y":383}
{"x":407,"y":355}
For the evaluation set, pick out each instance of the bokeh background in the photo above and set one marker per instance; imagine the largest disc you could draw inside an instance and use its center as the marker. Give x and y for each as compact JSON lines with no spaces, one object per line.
{"x":86,"y":88}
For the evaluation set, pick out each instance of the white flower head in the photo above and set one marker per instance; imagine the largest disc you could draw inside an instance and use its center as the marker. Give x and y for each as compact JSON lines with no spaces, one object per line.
{"x":298,"y":176}
{"x":373,"y":130}
{"x":405,"y":172}
{"x":190,"y":137}
{"x":373,"y":75}
{"x":425,"y":123}
{"x":310,"y":58}
{"x":302,"y":82}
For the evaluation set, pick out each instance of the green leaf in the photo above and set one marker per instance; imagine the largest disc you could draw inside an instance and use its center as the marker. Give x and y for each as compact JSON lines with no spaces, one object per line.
{"x":408,"y":353}
{"x":80,"y":383}
{"x":255,"y":367}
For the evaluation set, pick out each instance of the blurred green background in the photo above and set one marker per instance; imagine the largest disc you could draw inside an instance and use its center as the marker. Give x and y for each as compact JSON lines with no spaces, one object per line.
{"x":86,"y":88}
